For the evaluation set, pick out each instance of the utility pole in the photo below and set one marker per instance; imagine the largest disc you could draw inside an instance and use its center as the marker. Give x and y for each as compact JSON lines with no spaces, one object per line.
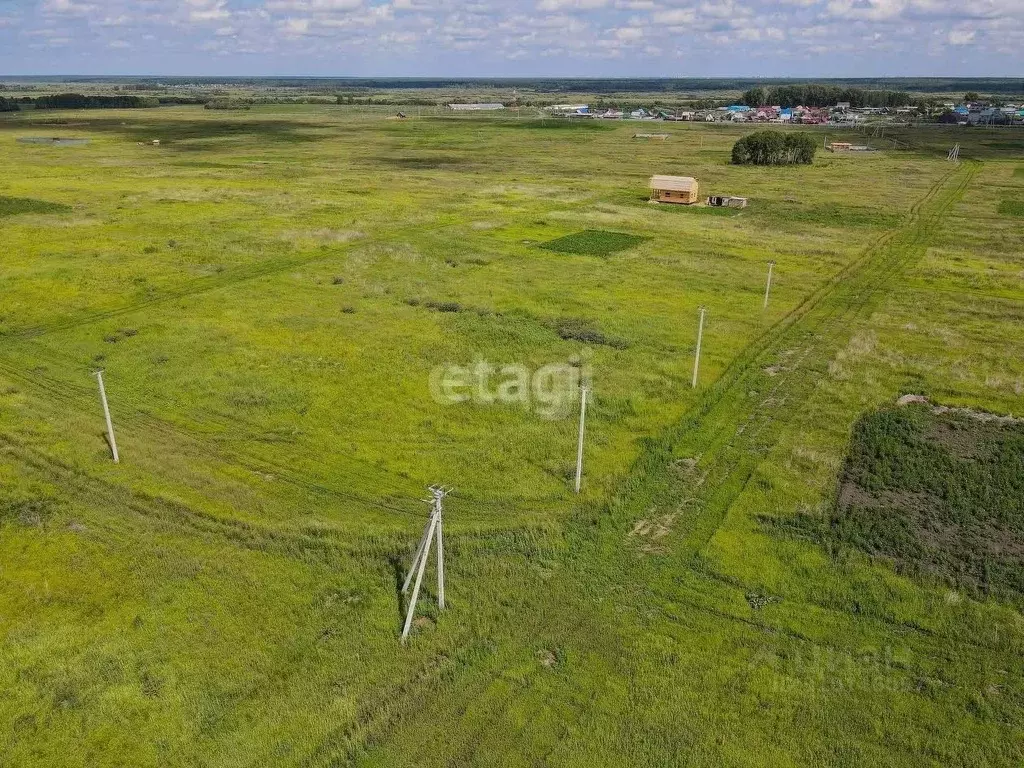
{"x":579,"y":445}
{"x":419,"y":563}
{"x":700,"y":338}
{"x":768,"y":288}
{"x":106,"y":414}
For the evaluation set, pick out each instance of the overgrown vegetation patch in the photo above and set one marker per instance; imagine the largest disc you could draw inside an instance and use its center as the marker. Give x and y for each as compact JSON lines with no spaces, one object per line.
{"x":579,"y":329}
{"x":12,"y":206}
{"x":594,"y":242}
{"x":938,"y":492}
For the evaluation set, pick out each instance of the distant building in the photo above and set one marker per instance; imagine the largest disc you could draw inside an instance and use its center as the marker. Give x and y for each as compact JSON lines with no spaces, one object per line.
{"x":475,"y":107}
{"x":674,"y":189}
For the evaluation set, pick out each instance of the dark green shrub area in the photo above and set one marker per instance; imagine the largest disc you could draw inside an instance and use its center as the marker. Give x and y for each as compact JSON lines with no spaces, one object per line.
{"x":774,"y":148}
{"x":8,"y":105}
{"x":1011,"y":208}
{"x":594,"y":242}
{"x":937,"y":494}
{"x":11,"y":206}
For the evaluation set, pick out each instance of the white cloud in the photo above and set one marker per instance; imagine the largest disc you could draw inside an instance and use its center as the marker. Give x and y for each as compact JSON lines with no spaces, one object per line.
{"x":676,"y":16}
{"x":628,"y":34}
{"x":68,"y":7}
{"x":572,"y":5}
{"x":961,"y":36}
{"x":314,"y":6}
{"x":831,"y":37}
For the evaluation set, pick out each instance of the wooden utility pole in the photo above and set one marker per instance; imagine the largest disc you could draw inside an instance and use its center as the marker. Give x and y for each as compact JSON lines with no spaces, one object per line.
{"x":106,"y":415}
{"x":700,"y":338}
{"x":419,"y":563}
{"x":579,"y":445}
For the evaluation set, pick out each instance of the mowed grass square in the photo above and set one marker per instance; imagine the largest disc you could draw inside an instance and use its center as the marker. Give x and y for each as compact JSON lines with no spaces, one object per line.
{"x":594,"y":242}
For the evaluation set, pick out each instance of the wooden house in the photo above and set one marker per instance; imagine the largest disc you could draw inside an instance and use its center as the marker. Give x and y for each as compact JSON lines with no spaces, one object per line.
{"x":674,"y":189}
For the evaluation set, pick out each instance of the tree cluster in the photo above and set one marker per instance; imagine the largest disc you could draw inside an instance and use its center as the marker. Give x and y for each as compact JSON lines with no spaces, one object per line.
{"x":774,"y":148}
{"x":227,"y":104}
{"x":8,"y":105}
{"x":79,"y":101}
{"x":821,"y":95}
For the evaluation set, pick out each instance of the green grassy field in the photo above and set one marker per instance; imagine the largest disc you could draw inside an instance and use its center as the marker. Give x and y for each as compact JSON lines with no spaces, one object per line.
{"x":270,"y":291}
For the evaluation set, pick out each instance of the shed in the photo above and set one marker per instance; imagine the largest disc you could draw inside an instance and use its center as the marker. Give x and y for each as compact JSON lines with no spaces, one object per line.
{"x":475,"y":107}
{"x":674,"y":189}
{"x":840,"y":146}
{"x":727,"y":201}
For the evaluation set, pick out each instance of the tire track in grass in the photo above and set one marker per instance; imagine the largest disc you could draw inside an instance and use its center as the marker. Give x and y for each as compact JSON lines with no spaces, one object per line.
{"x":746,"y":430}
{"x":568,"y":624}
{"x":849,"y":297}
{"x":226,"y":280}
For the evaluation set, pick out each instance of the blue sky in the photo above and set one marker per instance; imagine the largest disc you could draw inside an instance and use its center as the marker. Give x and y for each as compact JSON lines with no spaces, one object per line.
{"x":581,"y":38}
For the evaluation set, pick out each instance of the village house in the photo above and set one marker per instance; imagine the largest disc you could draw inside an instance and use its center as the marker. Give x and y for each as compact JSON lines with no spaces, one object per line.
{"x":674,"y":189}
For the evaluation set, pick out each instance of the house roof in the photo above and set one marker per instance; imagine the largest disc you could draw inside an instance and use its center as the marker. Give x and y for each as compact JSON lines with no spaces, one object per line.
{"x":674,"y":183}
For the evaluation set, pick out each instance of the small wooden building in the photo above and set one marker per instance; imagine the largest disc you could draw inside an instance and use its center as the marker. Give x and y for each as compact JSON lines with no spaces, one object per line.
{"x":840,"y":146}
{"x":674,"y":189}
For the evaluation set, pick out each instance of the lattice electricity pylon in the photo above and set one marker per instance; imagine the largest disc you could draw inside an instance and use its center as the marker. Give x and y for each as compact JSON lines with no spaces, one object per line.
{"x":419,"y":563}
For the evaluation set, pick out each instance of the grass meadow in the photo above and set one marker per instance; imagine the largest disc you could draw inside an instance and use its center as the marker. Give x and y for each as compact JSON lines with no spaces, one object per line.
{"x":269,"y":292}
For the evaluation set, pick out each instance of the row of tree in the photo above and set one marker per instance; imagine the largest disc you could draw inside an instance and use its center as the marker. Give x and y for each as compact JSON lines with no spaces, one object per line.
{"x":80,"y":101}
{"x":774,"y":148}
{"x":821,"y":95}
{"x":77,"y":101}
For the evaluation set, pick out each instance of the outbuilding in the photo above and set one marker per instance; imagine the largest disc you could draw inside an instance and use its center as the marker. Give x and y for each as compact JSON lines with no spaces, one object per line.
{"x":727,"y":201}
{"x":475,"y":107}
{"x":674,"y":189}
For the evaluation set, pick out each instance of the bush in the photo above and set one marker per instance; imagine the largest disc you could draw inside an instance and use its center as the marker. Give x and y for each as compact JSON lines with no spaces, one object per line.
{"x":227,"y":104}
{"x":774,"y":148}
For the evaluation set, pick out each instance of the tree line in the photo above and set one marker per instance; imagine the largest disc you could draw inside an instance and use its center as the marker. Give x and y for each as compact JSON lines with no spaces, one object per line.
{"x":77,"y":101}
{"x":821,"y":95}
{"x":774,"y":148}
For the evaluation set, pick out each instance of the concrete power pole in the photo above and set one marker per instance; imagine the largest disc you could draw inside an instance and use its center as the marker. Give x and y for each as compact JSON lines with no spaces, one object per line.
{"x":106,"y":415}
{"x":768,"y":288}
{"x":419,"y":563}
{"x":579,"y":445}
{"x":700,"y":338}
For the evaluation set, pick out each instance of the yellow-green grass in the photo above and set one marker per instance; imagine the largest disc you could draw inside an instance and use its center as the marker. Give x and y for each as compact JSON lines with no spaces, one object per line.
{"x":269,"y":377}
